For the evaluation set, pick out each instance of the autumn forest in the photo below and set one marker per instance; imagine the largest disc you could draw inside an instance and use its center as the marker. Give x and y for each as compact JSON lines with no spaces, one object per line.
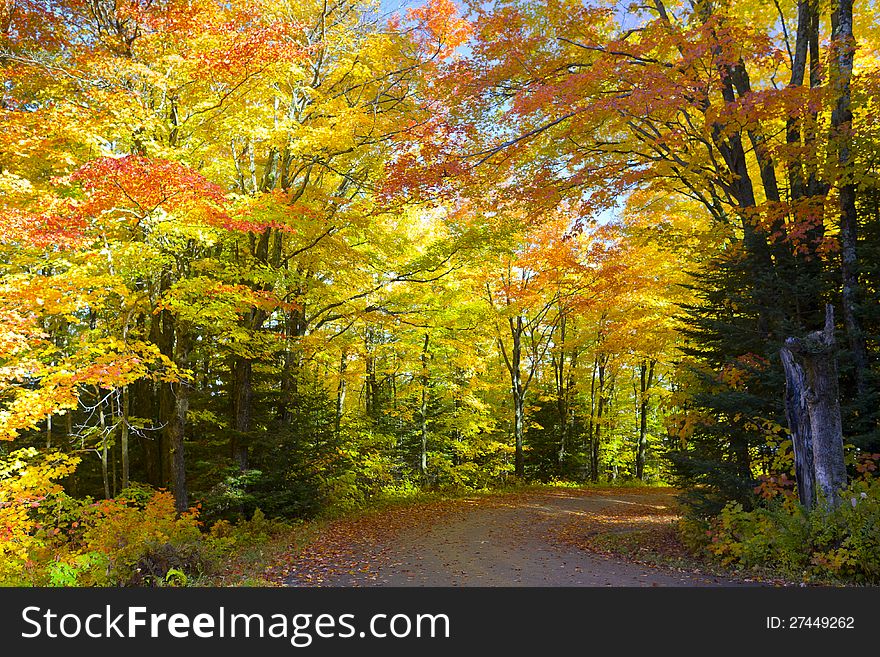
{"x":261,"y":262}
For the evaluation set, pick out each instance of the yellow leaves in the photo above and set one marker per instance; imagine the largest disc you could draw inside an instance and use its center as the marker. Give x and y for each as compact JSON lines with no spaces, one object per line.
{"x":63,"y":294}
{"x":113,"y":363}
{"x":24,"y":408}
{"x":27,"y":478}
{"x":12,"y":185}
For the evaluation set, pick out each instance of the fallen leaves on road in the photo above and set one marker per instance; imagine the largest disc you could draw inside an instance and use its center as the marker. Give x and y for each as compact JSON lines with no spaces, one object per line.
{"x":357,"y":549}
{"x":356,"y":545}
{"x":640,"y":527}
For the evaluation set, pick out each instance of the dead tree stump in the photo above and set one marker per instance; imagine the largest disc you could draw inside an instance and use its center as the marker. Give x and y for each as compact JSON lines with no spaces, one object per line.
{"x":812,"y":408}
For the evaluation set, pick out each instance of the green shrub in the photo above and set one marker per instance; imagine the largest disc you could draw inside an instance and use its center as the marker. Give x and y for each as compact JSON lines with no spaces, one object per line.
{"x":842,"y":543}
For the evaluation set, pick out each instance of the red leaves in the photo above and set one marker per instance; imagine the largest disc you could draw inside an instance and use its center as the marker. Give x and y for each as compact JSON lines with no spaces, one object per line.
{"x":769,"y":486}
{"x":40,"y":230}
{"x":867,"y":463}
{"x":144,"y":182}
{"x":441,"y":28}
{"x":136,"y":187}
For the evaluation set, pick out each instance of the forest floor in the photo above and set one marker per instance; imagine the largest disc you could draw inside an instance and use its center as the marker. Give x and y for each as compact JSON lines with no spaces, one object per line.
{"x":545,"y":537}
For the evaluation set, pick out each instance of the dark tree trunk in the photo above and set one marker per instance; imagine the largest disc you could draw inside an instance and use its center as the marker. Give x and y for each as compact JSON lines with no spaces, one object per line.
{"x":423,"y":454}
{"x":564,"y":380}
{"x":174,"y":341}
{"x":842,"y":51}
{"x":102,"y":420}
{"x":242,"y":409}
{"x":370,"y":384}
{"x":601,"y":362}
{"x":177,"y":426}
{"x":143,"y":405}
{"x":646,"y":380}
{"x":594,"y":470}
{"x":816,"y":355}
{"x":167,"y":396}
{"x":124,"y":419}
{"x":569,"y":396}
{"x":801,"y":431}
{"x":294,"y":328}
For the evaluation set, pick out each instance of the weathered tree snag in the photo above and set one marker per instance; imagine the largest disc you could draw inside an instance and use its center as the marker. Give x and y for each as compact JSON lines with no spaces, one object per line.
{"x":817,"y":357}
{"x":799,"y":426}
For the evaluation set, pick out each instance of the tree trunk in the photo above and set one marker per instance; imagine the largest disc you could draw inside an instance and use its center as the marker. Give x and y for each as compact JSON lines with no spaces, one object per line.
{"x":600,"y":412}
{"x":142,"y":404}
{"x":518,"y":401}
{"x":370,"y":383}
{"x":340,"y":392}
{"x":177,"y":425}
{"x":594,"y":470}
{"x":423,"y":455}
{"x":798,"y":417}
{"x":242,"y":406}
{"x":294,"y":328}
{"x":569,"y":399}
{"x":174,"y":341}
{"x":816,"y":355}
{"x":165,"y":338}
{"x":102,"y":419}
{"x":124,"y":414}
{"x":842,"y":51}
{"x":646,"y":380}
{"x":73,"y":488}
{"x":561,"y":391}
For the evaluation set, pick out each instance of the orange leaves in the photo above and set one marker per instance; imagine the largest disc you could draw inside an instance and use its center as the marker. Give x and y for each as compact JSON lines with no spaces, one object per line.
{"x":111,"y":363}
{"x":223,"y":41}
{"x":442,"y":29}
{"x":738,"y":373}
{"x":28,"y":230}
{"x":261,"y":45}
{"x":136,"y":187}
{"x":771,"y":486}
{"x":57,"y":295}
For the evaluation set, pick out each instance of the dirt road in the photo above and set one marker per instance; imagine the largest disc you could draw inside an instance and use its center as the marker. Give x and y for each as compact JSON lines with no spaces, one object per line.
{"x":505,"y":541}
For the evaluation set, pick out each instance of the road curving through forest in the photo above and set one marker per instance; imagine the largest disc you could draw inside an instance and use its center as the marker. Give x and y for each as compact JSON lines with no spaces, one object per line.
{"x":519,"y":539}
